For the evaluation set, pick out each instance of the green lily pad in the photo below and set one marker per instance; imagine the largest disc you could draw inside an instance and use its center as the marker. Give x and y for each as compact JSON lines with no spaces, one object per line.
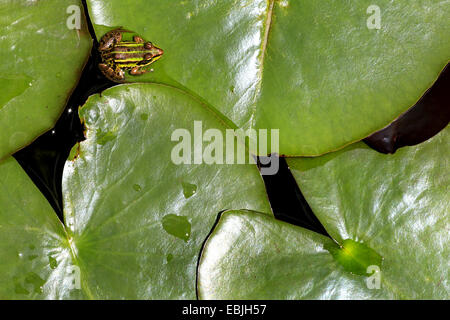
{"x":41,"y":61}
{"x":251,"y":256}
{"x":397,"y":204}
{"x":313,"y":69}
{"x":135,"y":220}
{"x":387,"y":213}
{"x":34,"y":247}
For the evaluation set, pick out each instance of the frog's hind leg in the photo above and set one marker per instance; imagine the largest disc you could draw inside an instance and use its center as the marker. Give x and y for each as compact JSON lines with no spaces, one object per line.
{"x":119,"y":75}
{"x":110,"y":73}
{"x":108,"y":40}
{"x":103,"y":67}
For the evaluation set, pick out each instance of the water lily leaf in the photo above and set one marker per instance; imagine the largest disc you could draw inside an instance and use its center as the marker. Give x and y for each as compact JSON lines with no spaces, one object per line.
{"x":387,"y":213}
{"x":41,"y":61}
{"x":396,"y":204}
{"x":251,"y":256}
{"x":135,"y":220}
{"x":134,"y":213}
{"x":304,"y":67}
{"x":34,"y":248}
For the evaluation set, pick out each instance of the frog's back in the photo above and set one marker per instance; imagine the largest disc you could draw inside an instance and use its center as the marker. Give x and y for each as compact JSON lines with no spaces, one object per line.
{"x":126,"y":55}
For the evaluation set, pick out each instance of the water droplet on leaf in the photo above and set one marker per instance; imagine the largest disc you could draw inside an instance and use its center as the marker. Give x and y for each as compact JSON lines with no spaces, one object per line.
{"x":12,"y":87}
{"x":52,"y":262}
{"x":36,"y":281}
{"x":178,"y":226}
{"x":104,"y":137}
{"x":189,"y":189}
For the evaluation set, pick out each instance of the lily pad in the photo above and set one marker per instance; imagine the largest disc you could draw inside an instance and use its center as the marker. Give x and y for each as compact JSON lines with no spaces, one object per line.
{"x":388,"y":215}
{"x":34,"y":247}
{"x":41,"y":61}
{"x":135,"y":220}
{"x":320,"y":71}
{"x":250,"y":256}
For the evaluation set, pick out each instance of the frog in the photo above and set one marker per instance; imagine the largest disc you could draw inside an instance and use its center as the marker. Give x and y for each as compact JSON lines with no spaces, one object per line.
{"x":119,"y":56}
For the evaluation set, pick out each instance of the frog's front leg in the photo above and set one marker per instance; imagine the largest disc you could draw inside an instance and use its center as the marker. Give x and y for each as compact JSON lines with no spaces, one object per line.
{"x":138,"y":39}
{"x":136,"y":71}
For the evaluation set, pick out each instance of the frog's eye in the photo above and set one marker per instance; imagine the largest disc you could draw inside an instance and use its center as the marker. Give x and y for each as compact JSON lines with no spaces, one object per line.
{"x":148,"y":45}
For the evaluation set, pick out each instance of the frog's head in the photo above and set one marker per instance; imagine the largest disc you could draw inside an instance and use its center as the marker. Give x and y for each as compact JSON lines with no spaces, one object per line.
{"x":153,"y":52}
